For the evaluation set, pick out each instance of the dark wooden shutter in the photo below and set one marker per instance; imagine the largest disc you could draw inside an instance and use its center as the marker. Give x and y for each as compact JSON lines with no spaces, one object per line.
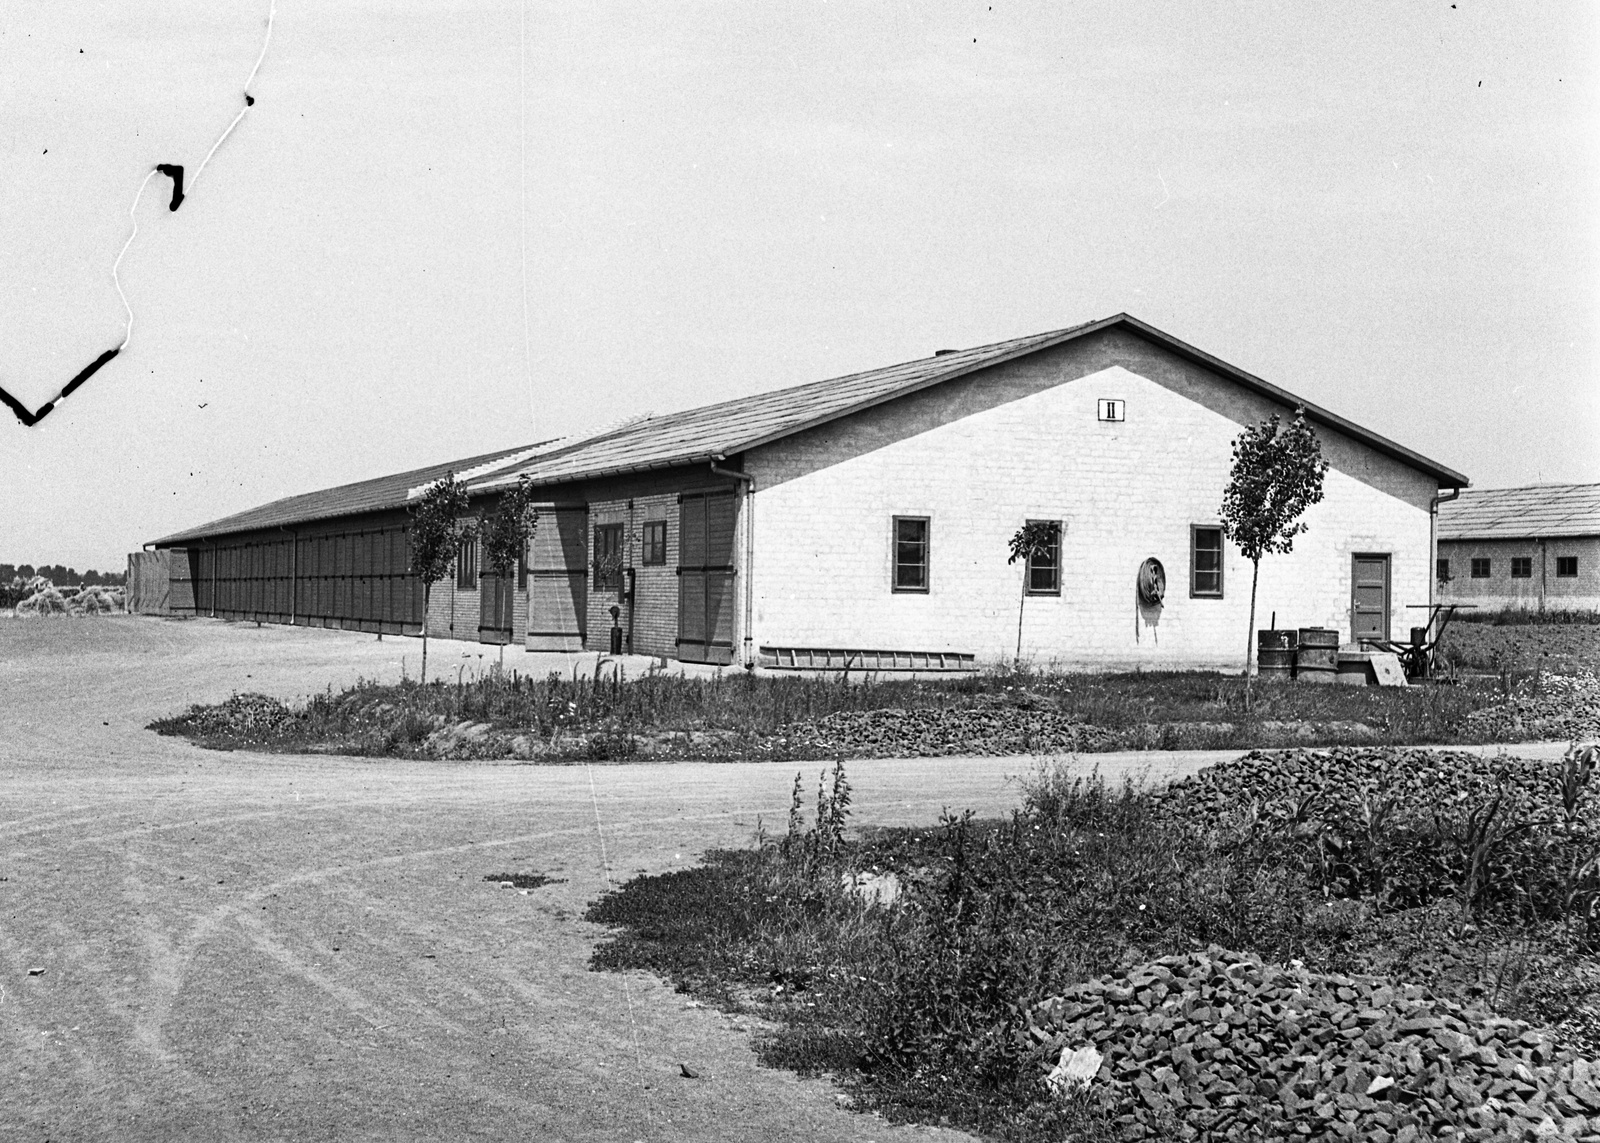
{"x":706,"y":596}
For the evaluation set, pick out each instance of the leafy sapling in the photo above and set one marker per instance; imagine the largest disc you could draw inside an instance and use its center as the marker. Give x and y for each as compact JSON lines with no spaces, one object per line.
{"x":437,"y":532}
{"x":1277,"y":474}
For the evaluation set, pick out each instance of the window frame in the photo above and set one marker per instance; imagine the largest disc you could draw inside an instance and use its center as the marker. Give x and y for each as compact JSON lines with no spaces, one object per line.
{"x":1521,"y":567}
{"x":1441,"y":569}
{"x":1487,"y":565}
{"x":649,"y":543}
{"x":895,"y":565}
{"x":1028,"y":568}
{"x":612,"y":529}
{"x":467,"y":563}
{"x":1570,"y":561}
{"x":1194,"y":548}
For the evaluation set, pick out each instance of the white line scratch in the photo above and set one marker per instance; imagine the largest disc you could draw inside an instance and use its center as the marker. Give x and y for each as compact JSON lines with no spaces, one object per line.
{"x":1166,"y":194}
{"x":127,"y":335}
{"x":272,"y":14}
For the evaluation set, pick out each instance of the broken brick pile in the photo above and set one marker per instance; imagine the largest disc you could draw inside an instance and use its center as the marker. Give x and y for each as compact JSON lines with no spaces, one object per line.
{"x":1218,"y":1045}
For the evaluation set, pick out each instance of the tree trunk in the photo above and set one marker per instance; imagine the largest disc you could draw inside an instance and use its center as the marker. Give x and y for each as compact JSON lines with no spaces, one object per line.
{"x":1250,"y":641}
{"x":1017,"y":659}
{"x":427,"y":590}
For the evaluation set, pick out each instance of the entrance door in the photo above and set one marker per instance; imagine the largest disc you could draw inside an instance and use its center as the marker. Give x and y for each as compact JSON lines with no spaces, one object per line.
{"x":495,"y":596}
{"x":705,"y":577}
{"x":1369,"y":597}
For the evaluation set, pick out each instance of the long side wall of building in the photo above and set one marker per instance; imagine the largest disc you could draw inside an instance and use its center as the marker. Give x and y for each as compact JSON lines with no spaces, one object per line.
{"x":1123,"y":492}
{"x":1543,"y":588}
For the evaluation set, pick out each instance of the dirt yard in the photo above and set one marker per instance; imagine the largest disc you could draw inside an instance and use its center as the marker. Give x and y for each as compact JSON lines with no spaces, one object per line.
{"x":240,"y":946}
{"x":245,"y":946}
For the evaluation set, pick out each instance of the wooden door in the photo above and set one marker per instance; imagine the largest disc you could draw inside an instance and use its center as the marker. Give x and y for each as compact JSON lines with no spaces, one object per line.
{"x":1369,"y":597}
{"x":558,"y":580}
{"x":495,"y":596}
{"x":706,"y":596}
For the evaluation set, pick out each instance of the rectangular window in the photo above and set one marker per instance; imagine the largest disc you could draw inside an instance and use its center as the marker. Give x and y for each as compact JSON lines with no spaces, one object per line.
{"x":467,"y":565}
{"x":607,"y":557}
{"x":1442,"y":570}
{"x":1480,"y":568}
{"x":1205,"y":561}
{"x":655,"y":542}
{"x":911,"y":553}
{"x":1566,"y":566}
{"x":1521,"y":567}
{"x":1044,"y":567}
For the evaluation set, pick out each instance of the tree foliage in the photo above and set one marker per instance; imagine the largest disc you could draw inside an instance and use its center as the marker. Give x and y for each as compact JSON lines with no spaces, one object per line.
{"x":437,"y":528}
{"x":1277,"y":475}
{"x":510,"y":528}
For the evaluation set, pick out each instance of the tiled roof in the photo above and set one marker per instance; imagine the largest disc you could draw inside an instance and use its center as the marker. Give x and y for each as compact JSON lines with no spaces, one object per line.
{"x":345,"y":500}
{"x":715,"y":432}
{"x":1537,"y":511}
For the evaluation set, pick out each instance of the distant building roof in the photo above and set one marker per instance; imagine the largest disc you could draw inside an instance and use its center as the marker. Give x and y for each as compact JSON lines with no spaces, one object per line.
{"x":1537,"y":511}
{"x":345,"y":500}
{"x":716,"y":432}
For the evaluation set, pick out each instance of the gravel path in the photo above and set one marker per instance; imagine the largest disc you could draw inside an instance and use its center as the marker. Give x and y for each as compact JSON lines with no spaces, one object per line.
{"x":241,"y":946}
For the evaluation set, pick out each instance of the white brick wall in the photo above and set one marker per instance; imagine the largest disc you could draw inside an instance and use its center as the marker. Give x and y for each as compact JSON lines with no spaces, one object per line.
{"x":1124,"y":492}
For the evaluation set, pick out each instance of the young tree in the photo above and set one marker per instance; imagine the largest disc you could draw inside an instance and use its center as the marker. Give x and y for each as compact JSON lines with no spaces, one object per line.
{"x":437,"y":533}
{"x":509,"y":532}
{"x":1277,"y":474}
{"x":1033,"y":541}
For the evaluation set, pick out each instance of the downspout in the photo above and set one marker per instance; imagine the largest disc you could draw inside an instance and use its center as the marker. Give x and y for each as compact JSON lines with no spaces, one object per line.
{"x":1544,"y":569}
{"x":749,"y":555}
{"x":1433,"y":538}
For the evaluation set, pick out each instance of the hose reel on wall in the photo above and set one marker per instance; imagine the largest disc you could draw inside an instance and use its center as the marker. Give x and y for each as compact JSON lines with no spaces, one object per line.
{"x":1152,"y":582}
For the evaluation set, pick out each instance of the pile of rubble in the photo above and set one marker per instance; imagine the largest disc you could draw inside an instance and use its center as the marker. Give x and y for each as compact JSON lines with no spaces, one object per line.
{"x":247,"y":715}
{"x":1424,"y":781}
{"x":1218,"y":1045}
{"x":1561,"y":707}
{"x":926,"y":733}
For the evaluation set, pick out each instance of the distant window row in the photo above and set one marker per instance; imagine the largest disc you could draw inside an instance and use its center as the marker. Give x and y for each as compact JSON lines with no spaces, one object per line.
{"x":913,"y":547}
{"x":1521,"y":568}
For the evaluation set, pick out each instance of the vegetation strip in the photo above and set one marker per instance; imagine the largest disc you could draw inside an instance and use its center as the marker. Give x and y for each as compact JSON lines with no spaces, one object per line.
{"x":1450,"y":902}
{"x":737,"y":716}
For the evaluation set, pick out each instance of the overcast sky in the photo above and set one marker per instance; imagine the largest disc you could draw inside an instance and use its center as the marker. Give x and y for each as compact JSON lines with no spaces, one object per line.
{"x":1389,"y":209}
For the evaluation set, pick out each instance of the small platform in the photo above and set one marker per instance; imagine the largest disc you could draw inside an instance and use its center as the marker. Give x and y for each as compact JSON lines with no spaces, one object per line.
{"x":1364,"y":668}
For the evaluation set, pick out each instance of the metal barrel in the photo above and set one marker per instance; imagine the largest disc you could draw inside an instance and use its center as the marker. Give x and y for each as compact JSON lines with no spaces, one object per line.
{"x":1280,"y":639}
{"x":1276,"y":664}
{"x":1317,"y":657}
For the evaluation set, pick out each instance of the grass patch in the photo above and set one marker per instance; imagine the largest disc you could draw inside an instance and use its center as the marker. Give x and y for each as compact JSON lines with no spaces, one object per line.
{"x":523,"y":880}
{"x":742,"y":716}
{"x":917,"y":1000}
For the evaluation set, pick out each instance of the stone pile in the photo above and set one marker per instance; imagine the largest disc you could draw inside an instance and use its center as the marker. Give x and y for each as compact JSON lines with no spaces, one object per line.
{"x":1218,"y":1045}
{"x":1561,"y":707}
{"x":247,"y":715}
{"x":925,"y":733}
{"x":1420,"y":781}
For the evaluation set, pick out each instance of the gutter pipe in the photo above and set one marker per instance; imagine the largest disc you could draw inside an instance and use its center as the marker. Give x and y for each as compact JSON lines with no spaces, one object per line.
{"x":1433,"y":537}
{"x":749,"y":555}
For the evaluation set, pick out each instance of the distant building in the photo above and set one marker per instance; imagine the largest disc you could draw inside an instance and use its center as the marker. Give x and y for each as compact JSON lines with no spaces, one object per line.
{"x":1535,"y":548}
{"x":866,"y":519}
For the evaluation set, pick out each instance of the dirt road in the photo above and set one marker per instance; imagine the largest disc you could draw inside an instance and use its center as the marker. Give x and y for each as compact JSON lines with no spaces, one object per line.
{"x":243,"y":946}
{"x":240,"y":946}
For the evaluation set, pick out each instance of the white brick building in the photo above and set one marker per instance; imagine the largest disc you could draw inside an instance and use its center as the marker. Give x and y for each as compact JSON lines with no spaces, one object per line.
{"x":866,"y":519}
